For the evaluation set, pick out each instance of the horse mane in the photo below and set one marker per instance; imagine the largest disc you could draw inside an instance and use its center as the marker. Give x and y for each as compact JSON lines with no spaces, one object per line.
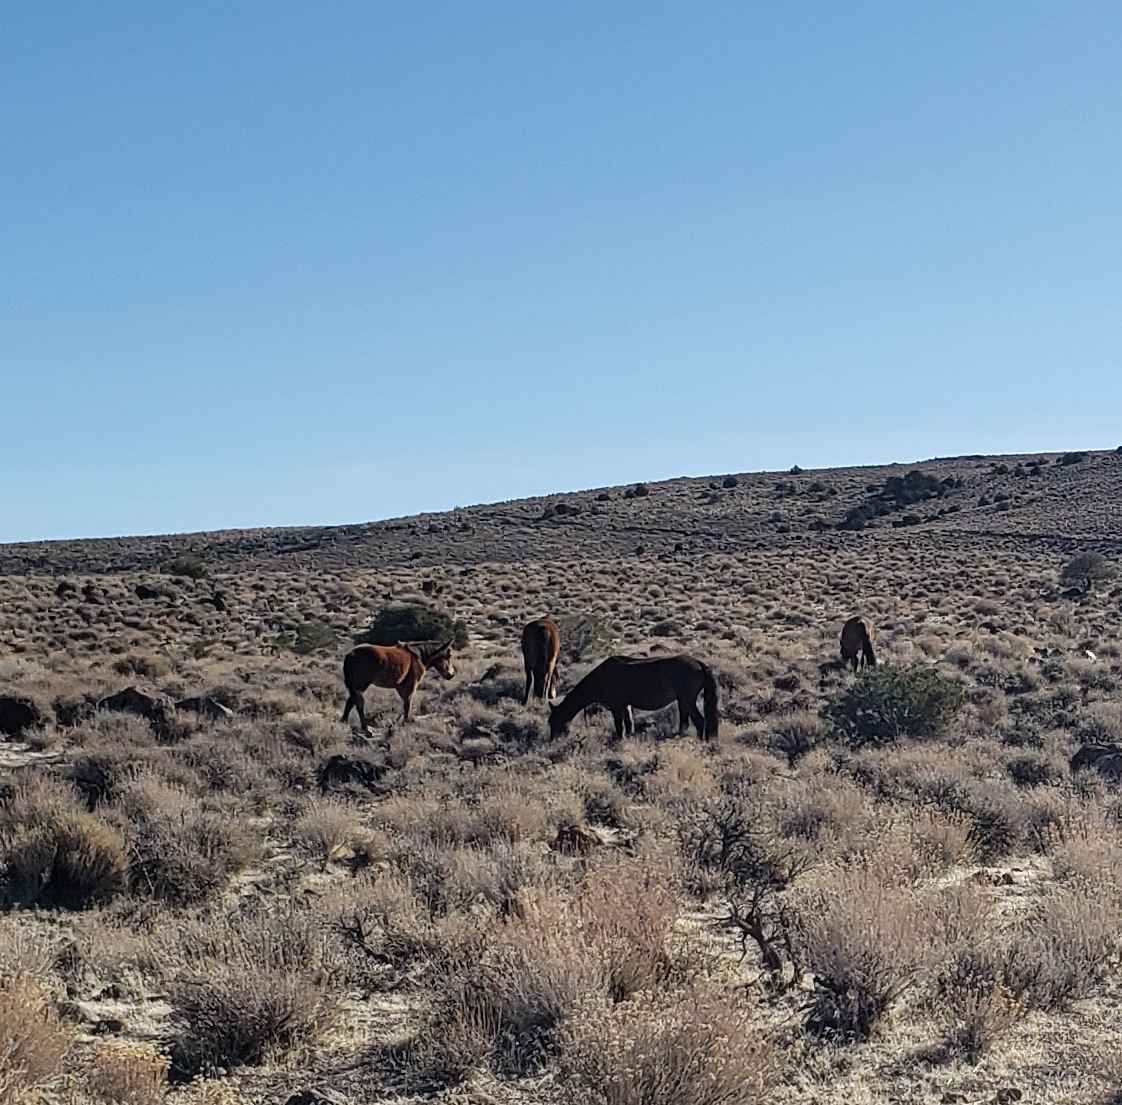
{"x":426,"y":650}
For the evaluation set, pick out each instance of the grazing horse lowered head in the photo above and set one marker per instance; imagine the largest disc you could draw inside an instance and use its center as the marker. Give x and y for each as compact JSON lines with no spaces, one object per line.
{"x":621,"y":682}
{"x":541,"y":645}
{"x":857,"y":638}
{"x":401,"y":666}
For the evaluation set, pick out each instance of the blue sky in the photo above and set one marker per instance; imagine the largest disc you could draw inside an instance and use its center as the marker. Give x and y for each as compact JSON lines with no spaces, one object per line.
{"x":270,"y":264}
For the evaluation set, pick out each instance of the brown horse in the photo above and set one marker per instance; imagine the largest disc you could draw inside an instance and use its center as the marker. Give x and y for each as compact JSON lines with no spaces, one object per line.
{"x":622,"y":682}
{"x":541,"y":645}
{"x":400,"y":666}
{"x":857,"y":643}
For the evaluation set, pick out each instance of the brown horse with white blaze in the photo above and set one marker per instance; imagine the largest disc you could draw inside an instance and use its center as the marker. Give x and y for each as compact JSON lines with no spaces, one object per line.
{"x":541,"y":645}
{"x":623,"y":682}
{"x":401,"y":667}
{"x":857,"y":638}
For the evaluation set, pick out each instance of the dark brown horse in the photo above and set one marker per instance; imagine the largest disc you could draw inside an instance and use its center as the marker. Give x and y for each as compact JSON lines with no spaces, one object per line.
{"x":400,"y":666}
{"x":622,"y":682}
{"x":541,"y":645}
{"x":857,"y":643}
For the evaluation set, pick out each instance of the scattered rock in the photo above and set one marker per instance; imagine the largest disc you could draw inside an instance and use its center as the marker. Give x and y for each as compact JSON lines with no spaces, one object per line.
{"x":1007,"y":1094}
{"x":65,"y":587}
{"x":108,"y":1026}
{"x":205,"y":707}
{"x":158,"y":711}
{"x":17,"y":715}
{"x":146,"y":593}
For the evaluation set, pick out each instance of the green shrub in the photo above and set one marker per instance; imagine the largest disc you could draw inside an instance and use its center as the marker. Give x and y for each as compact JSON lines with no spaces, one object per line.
{"x":313,"y":636}
{"x":888,"y":703}
{"x":582,"y":635}
{"x":1087,"y":569}
{"x":186,"y":567}
{"x":413,"y":622}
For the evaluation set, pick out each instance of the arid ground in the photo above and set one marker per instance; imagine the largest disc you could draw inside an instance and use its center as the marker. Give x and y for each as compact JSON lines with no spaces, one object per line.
{"x":888,"y":887}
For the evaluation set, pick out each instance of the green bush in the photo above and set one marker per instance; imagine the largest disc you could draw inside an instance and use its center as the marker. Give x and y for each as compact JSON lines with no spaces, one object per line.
{"x":583,"y":635}
{"x":1087,"y":569}
{"x":888,"y":703}
{"x":313,"y":636}
{"x":413,"y":622}
{"x":187,"y":567}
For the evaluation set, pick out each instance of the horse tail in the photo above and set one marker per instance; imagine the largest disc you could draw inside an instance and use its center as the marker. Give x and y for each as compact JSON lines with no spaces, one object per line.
{"x":709,"y":691}
{"x":349,"y":681}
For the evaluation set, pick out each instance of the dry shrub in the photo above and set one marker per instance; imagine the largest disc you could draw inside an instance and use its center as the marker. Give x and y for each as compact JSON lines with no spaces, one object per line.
{"x":56,"y":854}
{"x":34,"y":1041}
{"x":694,"y":1047}
{"x":1065,"y":948}
{"x":974,"y":1000}
{"x":911,"y":847}
{"x":508,"y":996}
{"x":242,"y":990}
{"x":181,"y":850}
{"x":326,"y":826}
{"x":128,"y":1074}
{"x":867,"y":943}
{"x":381,"y":923}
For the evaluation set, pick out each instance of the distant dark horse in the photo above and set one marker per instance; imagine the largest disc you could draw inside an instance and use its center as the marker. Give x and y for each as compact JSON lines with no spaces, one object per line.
{"x":400,"y":666}
{"x":857,"y":643}
{"x":622,"y":682}
{"x":541,"y":645}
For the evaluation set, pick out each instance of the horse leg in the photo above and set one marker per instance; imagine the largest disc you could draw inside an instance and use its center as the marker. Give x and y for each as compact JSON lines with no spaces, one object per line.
{"x":628,"y":721}
{"x":697,"y":719}
{"x":684,"y":707}
{"x":406,"y":693}
{"x":529,"y":684}
{"x":357,"y":699}
{"x":619,"y":716}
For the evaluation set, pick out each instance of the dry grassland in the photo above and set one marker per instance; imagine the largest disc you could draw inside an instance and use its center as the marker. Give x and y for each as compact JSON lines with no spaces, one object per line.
{"x":210,"y":906}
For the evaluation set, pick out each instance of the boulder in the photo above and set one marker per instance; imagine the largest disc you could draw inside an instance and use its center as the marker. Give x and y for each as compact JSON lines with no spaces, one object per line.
{"x":157,"y":710}
{"x":17,"y":715}
{"x":341,"y":770}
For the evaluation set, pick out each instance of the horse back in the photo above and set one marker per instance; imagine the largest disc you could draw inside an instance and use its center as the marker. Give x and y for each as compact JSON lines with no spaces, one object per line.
{"x":381,"y":665}
{"x":541,"y":642}
{"x":649,"y":682}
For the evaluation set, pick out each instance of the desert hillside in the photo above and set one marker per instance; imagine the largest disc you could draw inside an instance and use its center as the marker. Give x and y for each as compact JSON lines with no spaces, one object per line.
{"x":883,"y":886}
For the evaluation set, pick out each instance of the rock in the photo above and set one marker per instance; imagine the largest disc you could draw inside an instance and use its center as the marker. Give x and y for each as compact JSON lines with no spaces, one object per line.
{"x":1090,"y":655}
{"x":73,"y":711}
{"x":17,"y":715}
{"x":1106,"y":759}
{"x":572,"y":840}
{"x":158,"y":711}
{"x":205,"y":707}
{"x":108,"y":1026}
{"x":146,"y":593}
{"x":342,"y":770}
{"x":1007,"y":1094}
{"x":65,"y":587}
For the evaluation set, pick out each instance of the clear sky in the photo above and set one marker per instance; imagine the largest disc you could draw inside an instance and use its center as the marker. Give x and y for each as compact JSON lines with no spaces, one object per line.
{"x":280,"y":263}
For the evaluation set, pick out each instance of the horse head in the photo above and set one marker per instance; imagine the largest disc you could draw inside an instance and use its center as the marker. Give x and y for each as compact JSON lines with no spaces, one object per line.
{"x":441,"y":660}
